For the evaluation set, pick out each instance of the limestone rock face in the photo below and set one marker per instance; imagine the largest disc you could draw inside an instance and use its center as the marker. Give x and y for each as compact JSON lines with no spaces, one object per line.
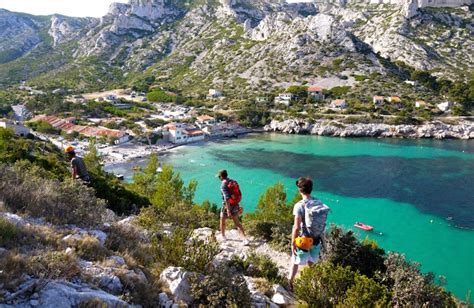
{"x":463,"y":130}
{"x":177,"y":280}
{"x":72,"y":295}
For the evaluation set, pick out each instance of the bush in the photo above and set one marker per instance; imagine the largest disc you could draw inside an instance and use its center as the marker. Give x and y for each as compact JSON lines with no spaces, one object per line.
{"x":412,"y":288}
{"x":220,"y":288}
{"x":89,"y":248}
{"x":181,"y":249}
{"x":258,"y":265}
{"x":13,"y":266}
{"x":272,"y":214}
{"x":23,"y":189}
{"x":9,"y":232}
{"x":54,"y":265}
{"x":324,"y":284}
{"x":366,"y":293}
{"x":342,"y":248}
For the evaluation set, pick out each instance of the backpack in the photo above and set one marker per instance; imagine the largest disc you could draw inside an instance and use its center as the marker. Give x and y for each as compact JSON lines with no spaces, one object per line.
{"x":314,"y":222}
{"x":234,"y":191}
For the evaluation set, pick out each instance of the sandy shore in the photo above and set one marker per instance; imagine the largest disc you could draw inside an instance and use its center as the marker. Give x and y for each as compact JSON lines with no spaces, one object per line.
{"x":129,"y":151}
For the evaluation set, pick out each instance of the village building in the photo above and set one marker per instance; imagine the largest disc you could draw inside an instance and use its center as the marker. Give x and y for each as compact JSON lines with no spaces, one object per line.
{"x":21,"y":113}
{"x":219,"y":130}
{"x":262,"y":99}
{"x":378,"y":100}
{"x":180,"y":133}
{"x":67,"y":125}
{"x":18,"y":128}
{"x":285,"y":98}
{"x":338,"y":104}
{"x":316,"y":93}
{"x":213,"y":94}
{"x":420,"y":104}
{"x":205,"y":120}
{"x":396,"y":101}
{"x":446,"y":106}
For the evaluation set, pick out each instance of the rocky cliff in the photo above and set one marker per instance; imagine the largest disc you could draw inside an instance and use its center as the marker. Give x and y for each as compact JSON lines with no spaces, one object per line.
{"x":436,"y":130}
{"x":241,"y":44}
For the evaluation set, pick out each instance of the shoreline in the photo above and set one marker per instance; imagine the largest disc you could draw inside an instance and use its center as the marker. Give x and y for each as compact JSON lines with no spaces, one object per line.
{"x":432,"y":130}
{"x":332,"y":128}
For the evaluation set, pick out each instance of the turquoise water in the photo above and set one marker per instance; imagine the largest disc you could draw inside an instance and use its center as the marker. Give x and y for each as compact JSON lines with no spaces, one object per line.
{"x":416,"y":193}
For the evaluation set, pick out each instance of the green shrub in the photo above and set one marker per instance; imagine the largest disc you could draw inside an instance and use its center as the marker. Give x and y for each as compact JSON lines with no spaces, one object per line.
{"x":272,"y":213}
{"x":220,"y":288}
{"x":411,"y":288}
{"x":366,"y":293}
{"x":343,"y":248}
{"x":9,"y":232}
{"x":257,"y":265}
{"x":324,"y":284}
{"x":182,"y":249}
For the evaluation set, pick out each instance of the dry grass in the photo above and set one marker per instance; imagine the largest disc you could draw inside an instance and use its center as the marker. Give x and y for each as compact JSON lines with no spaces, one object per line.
{"x":54,"y":265}
{"x":68,"y":202}
{"x":9,"y":233}
{"x":89,"y":248}
{"x":263,"y":286}
{"x":139,"y":292}
{"x":12,"y":267}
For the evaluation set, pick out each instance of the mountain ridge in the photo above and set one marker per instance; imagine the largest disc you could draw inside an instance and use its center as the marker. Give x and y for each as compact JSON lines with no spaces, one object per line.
{"x":202,"y":42}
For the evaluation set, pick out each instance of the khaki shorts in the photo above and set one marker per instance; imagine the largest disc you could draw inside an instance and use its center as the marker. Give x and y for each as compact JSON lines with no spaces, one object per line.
{"x":234,"y":210}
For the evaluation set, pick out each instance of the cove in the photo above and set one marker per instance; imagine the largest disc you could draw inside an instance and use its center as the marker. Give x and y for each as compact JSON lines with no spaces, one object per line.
{"x":418,"y":194}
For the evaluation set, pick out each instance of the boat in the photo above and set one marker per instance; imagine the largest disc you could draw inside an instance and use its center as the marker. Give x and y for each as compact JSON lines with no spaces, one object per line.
{"x":363,"y":226}
{"x":120,"y":177}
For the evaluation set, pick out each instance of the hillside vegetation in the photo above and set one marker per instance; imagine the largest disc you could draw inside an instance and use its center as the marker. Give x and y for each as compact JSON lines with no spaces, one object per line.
{"x":56,"y":234}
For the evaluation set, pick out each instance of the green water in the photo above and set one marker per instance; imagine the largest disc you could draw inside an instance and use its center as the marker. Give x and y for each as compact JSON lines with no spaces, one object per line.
{"x":417,"y":194}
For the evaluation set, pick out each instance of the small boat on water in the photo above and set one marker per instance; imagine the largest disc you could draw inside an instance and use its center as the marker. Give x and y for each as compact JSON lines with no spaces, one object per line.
{"x":120,"y":177}
{"x":363,"y":226}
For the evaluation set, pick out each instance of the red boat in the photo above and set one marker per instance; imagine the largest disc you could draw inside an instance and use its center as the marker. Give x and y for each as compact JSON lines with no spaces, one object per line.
{"x":363,"y":226}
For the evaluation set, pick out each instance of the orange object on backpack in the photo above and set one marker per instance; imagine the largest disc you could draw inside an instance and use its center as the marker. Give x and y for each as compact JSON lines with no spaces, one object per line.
{"x":234,"y":190}
{"x":304,"y":243}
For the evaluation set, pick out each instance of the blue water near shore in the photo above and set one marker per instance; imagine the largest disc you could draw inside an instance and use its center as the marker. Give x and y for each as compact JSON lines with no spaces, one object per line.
{"x":418,"y":194}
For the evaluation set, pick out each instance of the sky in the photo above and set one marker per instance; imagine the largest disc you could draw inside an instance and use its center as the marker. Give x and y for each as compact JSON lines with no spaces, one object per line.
{"x":76,"y":8}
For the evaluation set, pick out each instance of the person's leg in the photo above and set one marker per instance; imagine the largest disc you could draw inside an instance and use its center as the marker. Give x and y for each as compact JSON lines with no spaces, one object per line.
{"x":222,"y":226}
{"x":293,"y":271}
{"x":237,"y":223}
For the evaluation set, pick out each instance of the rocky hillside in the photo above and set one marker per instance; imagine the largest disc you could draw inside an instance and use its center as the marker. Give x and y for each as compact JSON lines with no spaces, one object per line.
{"x":234,"y":44}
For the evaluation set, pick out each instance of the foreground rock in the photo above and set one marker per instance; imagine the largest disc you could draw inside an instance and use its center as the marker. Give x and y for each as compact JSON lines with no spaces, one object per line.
{"x":437,"y":130}
{"x":62,"y":293}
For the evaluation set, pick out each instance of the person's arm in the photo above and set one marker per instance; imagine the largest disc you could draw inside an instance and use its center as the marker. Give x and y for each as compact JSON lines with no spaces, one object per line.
{"x":74,"y":172}
{"x":294,"y":233}
{"x":226,"y":196}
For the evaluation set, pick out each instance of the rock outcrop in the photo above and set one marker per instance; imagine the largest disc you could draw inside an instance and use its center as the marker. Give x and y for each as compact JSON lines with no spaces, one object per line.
{"x":437,"y":130}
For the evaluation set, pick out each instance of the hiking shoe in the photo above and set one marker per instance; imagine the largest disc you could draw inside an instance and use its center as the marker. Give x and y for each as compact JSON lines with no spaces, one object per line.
{"x":246,"y":242}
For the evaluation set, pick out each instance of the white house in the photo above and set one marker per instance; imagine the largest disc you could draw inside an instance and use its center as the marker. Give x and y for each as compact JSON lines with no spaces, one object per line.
{"x":213,"y":93}
{"x":21,"y":113}
{"x":219,"y":130}
{"x":420,"y":104}
{"x":111,"y":98}
{"x":316,"y":93}
{"x":262,"y":99}
{"x":179,"y":133}
{"x":193,"y":134}
{"x":205,"y":120}
{"x":445,"y":106}
{"x":378,"y":100}
{"x":338,"y":104}
{"x":285,"y":98}
{"x":17,"y":128}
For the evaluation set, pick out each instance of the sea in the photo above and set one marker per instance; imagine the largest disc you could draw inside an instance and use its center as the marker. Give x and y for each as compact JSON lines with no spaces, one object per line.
{"x":417,"y":194}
